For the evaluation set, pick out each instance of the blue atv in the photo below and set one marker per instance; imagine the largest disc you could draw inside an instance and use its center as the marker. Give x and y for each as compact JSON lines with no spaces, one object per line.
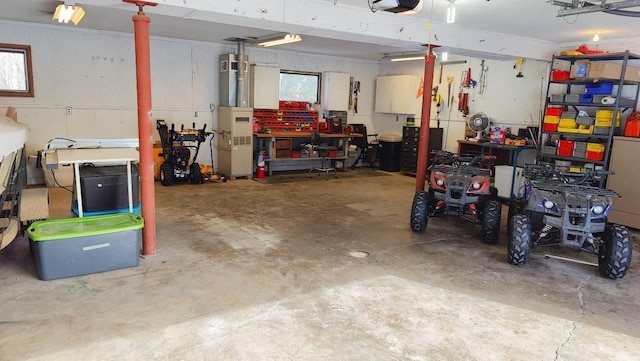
{"x":562,"y":208}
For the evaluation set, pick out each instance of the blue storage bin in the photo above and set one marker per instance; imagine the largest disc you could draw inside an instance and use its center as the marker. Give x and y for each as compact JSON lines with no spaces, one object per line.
{"x":598,"y":88}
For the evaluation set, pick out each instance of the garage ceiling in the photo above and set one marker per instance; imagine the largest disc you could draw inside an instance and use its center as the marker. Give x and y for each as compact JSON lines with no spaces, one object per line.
{"x":530,"y":19}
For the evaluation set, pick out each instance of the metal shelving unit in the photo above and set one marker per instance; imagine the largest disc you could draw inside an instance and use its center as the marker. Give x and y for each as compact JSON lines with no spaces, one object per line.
{"x":620,"y":107}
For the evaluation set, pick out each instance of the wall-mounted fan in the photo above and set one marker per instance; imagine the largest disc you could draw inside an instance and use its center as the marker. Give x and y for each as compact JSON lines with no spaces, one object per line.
{"x":479,"y":123}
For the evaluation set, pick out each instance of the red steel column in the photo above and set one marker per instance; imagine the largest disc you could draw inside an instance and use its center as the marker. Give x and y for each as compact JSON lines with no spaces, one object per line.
{"x":145,"y":128}
{"x":425,"y":120}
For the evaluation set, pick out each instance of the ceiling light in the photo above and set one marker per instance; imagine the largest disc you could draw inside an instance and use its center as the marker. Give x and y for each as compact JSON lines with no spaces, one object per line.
{"x":596,"y":37}
{"x":280,"y":40}
{"x":406,"y":57}
{"x":445,"y":56}
{"x":451,"y":12}
{"x":65,"y":13}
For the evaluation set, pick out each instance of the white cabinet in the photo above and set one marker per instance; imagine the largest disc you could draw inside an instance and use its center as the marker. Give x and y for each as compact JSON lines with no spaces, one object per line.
{"x":335,"y":91}
{"x":397,"y":94}
{"x":265,"y":87}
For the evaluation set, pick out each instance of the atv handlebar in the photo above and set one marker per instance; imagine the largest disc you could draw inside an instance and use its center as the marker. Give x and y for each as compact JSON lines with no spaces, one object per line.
{"x":447,"y":158}
{"x":546,"y":171}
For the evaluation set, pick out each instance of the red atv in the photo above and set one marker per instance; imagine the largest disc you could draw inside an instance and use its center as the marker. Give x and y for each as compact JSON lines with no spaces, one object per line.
{"x":459,"y":186}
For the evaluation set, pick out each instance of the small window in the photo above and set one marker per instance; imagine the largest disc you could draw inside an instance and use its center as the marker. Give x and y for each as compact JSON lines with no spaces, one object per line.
{"x":298,"y":86}
{"x":16,"y":79}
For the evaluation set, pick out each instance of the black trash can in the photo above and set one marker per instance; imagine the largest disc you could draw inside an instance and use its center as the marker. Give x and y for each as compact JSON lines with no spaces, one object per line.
{"x":390,"y":152}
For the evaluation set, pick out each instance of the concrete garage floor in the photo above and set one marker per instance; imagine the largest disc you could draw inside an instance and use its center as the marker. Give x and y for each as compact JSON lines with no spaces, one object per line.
{"x":251,"y":271}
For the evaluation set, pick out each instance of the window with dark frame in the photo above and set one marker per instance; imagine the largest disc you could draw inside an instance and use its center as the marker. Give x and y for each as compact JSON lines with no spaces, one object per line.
{"x":299,"y":86}
{"x":16,"y":77}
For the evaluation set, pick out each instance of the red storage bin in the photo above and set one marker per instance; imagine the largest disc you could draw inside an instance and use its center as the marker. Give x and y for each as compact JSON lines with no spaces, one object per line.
{"x":565,"y":152}
{"x":554,"y":111}
{"x":595,"y":155}
{"x":557,"y":74}
{"x":566,"y":144}
{"x":548,"y":127}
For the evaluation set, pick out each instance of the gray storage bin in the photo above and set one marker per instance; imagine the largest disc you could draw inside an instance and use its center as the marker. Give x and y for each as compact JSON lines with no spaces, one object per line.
{"x":601,"y":130}
{"x":557,"y":98}
{"x":572,"y":98}
{"x":548,"y":149}
{"x":569,"y":114}
{"x":580,"y":146}
{"x":580,"y":153}
{"x":585,"y":120}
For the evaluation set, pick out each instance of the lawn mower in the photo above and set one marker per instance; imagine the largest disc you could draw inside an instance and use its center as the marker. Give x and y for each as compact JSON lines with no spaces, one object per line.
{"x":562,"y":208}
{"x":178,"y":165}
{"x":460,"y":187}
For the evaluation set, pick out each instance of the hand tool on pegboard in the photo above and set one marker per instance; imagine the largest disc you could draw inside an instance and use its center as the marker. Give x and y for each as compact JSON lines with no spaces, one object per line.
{"x":449,"y":96}
{"x":356,"y":90}
{"x":350,"y":93}
{"x":443,"y":63}
{"x":519,"y":62}
{"x":463,"y":97}
{"x":483,"y":78}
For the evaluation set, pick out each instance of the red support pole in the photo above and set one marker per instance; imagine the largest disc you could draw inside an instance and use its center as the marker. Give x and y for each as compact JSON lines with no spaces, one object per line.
{"x":425,"y":120}
{"x":145,"y":127}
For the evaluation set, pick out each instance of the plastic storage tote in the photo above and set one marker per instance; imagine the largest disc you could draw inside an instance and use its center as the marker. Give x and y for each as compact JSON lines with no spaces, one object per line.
{"x":78,"y":246}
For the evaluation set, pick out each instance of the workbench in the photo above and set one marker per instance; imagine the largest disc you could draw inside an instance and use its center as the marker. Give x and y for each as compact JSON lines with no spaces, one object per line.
{"x":270,"y":139}
{"x":505,"y":154}
{"x":77,"y":157}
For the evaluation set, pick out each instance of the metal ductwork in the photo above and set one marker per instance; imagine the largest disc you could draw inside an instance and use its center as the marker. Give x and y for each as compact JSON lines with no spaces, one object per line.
{"x":242,"y":91}
{"x":234,"y":77}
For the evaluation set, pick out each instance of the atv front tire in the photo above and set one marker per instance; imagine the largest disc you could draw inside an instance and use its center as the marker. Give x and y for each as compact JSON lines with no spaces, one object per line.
{"x":516,"y":206}
{"x":196,"y":174}
{"x":614,"y":255}
{"x":419,"y":211}
{"x":490,"y":228}
{"x":519,"y":240}
{"x":166,"y":174}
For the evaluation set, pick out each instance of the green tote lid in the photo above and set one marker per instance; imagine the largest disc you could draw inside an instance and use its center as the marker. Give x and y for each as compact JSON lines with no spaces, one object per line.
{"x":54,"y":229}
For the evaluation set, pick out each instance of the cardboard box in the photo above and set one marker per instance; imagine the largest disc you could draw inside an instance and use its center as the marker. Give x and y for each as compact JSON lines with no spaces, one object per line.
{"x":580,"y":69}
{"x":613,"y":71}
{"x":498,"y":134}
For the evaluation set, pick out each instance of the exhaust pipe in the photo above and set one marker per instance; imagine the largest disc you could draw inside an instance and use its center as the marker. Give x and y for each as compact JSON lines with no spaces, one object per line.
{"x":242,"y":85}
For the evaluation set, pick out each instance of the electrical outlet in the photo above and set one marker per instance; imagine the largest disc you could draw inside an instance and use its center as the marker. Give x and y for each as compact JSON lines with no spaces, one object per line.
{"x":69,"y":110}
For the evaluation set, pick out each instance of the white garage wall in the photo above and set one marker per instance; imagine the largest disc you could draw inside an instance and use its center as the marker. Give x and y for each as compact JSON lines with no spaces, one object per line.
{"x":507,"y":100}
{"x":94,"y":73}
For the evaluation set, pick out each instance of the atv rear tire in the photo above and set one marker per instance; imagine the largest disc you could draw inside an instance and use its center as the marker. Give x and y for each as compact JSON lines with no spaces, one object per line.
{"x":519,"y":239}
{"x":490,"y":228}
{"x":166,"y":174}
{"x":516,"y":206}
{"x":419,"y":211}
{"x":614,"y":255}
{"x":196,"y":174}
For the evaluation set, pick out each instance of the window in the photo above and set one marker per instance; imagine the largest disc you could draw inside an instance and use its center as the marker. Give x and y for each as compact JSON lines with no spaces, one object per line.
{"x":299,"y":86}
{"x":16,"y":79}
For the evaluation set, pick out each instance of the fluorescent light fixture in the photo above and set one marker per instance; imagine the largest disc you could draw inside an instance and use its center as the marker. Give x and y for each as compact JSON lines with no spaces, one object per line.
{"x":65,"y":13}
{"x":280,"y":40}
{"x":451,"y":12}
{"x":445,"y":56}
{"x":407,"y":57}
{"x":596,"y":37}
